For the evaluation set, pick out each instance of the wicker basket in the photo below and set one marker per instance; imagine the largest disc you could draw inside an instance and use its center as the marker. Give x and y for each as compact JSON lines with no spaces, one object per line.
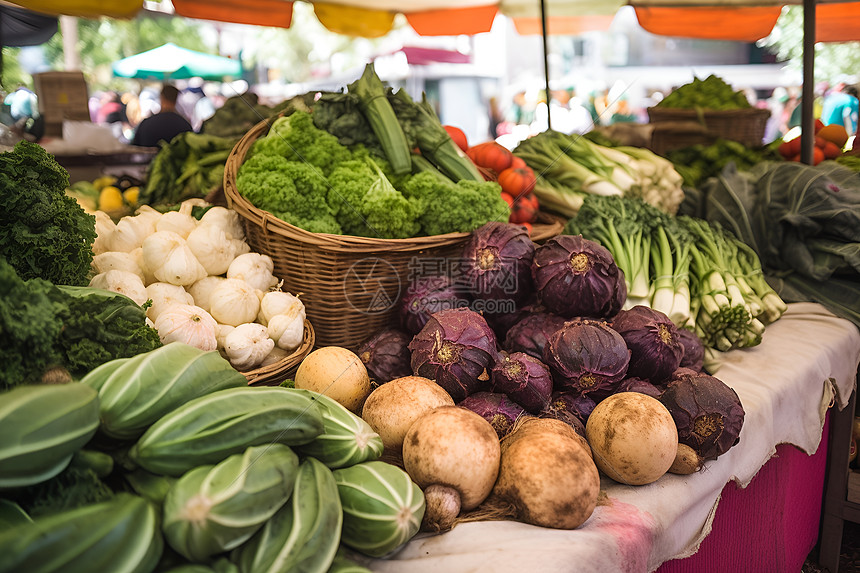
{"x":274,"y":374}
{"x":350,"y":285}
{"x":743,"y":125}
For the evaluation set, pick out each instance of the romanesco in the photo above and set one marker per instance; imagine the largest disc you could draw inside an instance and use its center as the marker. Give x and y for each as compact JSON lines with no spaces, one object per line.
{"x":296,"y":138}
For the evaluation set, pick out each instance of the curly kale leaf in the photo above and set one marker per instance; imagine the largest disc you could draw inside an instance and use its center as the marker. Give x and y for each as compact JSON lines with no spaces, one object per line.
{"x":43,"y":232}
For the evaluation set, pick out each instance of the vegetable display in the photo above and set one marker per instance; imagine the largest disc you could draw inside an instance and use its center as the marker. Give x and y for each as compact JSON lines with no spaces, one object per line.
{"x":709,"y":93}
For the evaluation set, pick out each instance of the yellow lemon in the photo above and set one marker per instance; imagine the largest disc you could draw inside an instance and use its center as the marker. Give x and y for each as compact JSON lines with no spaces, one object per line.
{"x":130,"y":195}
{"x":110,"y":199}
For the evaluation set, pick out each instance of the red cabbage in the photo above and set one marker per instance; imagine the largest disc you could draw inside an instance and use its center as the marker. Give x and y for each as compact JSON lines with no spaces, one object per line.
{"x":495,"y":408}
{"x":496,"y":263}
{"x":575,"y":277}
{"x":571,"y":408}
{"x":707,"y":412}
{"x":457,"y":349}
{"x":524,"y":379}
{"x":653,"y":340}
{"x":386,"y":354}
{"x":586,"y":356}
{"x":694,"y":350}
{"x":631,"y":384}
{"x":426,"y":295}
{"x":530,"y":334}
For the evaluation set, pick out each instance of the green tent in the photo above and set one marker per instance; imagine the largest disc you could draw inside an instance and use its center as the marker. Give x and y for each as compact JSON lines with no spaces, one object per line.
{"x":171,"y":62}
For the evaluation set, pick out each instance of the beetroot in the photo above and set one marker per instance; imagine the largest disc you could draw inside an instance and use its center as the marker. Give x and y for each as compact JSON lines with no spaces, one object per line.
{"x":571,"y":408}
{"x":632,"y":384}
{"x":426,"y":295}
{"x":457,"y":349}
{"x":496,"y":263}
{"x":575,"y":277}
{"x":655,"y":346}
{"x":585,"y":356}
{"x":530,"y":334}
{"x":495,"y":408}
{"x":694,"y":350}
{"x":386,"y":354}
{"x":524,"y":379}
{"x":707,"y":412}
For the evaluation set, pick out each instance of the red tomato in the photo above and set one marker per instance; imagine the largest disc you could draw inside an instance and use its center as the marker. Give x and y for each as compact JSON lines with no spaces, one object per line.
{"x":517,"y":181}
{"x":817,"y":155}
{"x":458,"y":136}
{"x":523,"y":211}
{"x":818,"y":125}
{"x":831,"y":150}
{"x":517,"y":163}
{"x":508,"y":199}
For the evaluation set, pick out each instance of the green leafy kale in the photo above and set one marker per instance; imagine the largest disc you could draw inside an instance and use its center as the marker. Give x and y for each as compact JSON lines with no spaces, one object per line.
{"x":43,"y":232}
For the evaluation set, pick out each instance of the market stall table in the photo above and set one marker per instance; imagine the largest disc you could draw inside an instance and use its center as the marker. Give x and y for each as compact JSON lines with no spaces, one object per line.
{"x":807,"y":361}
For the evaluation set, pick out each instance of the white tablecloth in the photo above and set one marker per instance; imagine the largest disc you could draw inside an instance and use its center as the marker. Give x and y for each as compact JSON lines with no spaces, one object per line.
{"x":807,"y":359}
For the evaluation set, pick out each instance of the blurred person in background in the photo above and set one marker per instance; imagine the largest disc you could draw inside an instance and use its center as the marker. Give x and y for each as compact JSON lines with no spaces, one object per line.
{"x":164,"y":125}
{"x":22,"y":104}
{"x":841,"y":107}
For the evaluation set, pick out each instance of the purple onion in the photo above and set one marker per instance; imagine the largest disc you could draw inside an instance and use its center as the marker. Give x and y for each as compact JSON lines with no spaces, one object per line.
{"x":577,"y":277}
{"x":631,"y":384}
{"x":426,"y":295}
{"x":694,"y":350}
{"x":495,"y":408}
{"x":457,"y":349}
{"x":502,"y":322}
{"x":707,"y":412}
{"x":496,"y":263}
{"x":571,"y":408}
{"x":530,"y":334}
{"x":655,"y":347}
{"x":585,"y":356}
{"x":525,"y":379}
{"x":386,"y":354}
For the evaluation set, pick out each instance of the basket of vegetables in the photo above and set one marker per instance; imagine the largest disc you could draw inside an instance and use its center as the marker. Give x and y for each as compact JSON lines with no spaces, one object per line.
{"x":702,"y":111}
{"x":348,"y":212}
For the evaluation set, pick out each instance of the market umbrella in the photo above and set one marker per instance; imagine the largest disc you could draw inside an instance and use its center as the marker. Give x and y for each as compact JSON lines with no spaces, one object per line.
{"x":175,"y":63}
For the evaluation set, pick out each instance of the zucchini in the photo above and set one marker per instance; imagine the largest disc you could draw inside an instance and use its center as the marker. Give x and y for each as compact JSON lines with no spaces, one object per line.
{"x":120,"y":536}
{"x":304,"y":535}
{"x":213,"y":509}
{"x":346,"y":439}
{"x":41,"y":427}
{"x":208,"y":429}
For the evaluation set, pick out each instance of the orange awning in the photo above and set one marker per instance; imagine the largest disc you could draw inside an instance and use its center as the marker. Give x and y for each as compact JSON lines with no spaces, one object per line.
{"x":563,"y":25}
{"x":278,"y":13}
{"x":455,"y":21}
{"x":740,"y":23}
{"x":837,"y":22}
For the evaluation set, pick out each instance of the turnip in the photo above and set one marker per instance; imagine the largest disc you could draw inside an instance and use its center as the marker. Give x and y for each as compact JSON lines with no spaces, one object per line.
{"x":336,"y":372}
{"x":547,"y":475}
{"x":633,"y":438}
{"x":453,"y":455}
{"x":395,"y":405}
{"x":531,"y":426}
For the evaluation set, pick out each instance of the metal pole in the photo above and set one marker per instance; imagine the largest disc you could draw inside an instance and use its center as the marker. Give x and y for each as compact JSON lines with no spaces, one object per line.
{"x":807,"y":122}
{"x":545,"y":61}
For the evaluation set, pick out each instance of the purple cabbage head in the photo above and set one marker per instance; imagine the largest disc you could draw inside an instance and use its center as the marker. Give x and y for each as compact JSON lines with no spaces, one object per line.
{"x":694,"y":350}
{"x":575,"y":277}
{"x":655,"y":346}
{"x":631,"y":384}
{"x":457,"y":349}
{"x":530,"y":333}
{"x":386,"y":354}
{"x":426,"y":295}
{"x":571,"y":408}
{"x":496,"y":263}
{"x":585,"y":356}
{"x":524,"y":379}
{"x":707,"y":412}
{"x":495,"y":408}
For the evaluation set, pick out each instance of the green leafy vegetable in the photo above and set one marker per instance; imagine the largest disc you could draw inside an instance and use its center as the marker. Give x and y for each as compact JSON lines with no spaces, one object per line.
{"x":43,"y":232}
{"x":710,"y":93}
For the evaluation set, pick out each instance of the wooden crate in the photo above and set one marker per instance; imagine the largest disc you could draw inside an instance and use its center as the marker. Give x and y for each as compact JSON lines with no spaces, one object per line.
{"x":62,"y":96}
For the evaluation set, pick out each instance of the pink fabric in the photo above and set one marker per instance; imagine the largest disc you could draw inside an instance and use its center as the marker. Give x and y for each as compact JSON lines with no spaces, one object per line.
{"x":772,"y":525}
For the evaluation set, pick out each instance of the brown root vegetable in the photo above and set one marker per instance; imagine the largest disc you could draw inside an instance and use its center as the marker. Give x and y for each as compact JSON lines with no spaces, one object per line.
{"x":530,"y":426}
{"x":548,"y":477}
{"x":687,"y":461}
{"x":336,"y":372}
{"x":633,"y":438}
{"x":392,"y":408}
{"x":457,"y":451}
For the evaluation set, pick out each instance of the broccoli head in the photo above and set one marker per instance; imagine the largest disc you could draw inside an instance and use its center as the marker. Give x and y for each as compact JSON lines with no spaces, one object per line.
{"x":296,"y":138}
{"x":458,"y":208}
{"x":292,"y":191}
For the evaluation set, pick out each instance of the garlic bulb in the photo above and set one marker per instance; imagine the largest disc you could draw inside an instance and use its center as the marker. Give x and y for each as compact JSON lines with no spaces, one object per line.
{"x":180,"y":222}
{"x":221,"y":333}
{"x":131,"y":231}
{"x":276,"y":355}
{"x":167,"y":255}
{"x":148,"y":277}
{"x":247,"y":345}
{"x":163,"y":296}
{"x":213,"y":249}
{"x":202,"y":290}
{"x":287,"y":330}
{"x":188,"y":324}
{"x":234,"y":302}
{"x":117,"y":260}
{"x":226,"y":219}
{"x":255,"y":269}
{"x":104,"y":229}
{"x":123,"y":282}
{"x":278,"y":302}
